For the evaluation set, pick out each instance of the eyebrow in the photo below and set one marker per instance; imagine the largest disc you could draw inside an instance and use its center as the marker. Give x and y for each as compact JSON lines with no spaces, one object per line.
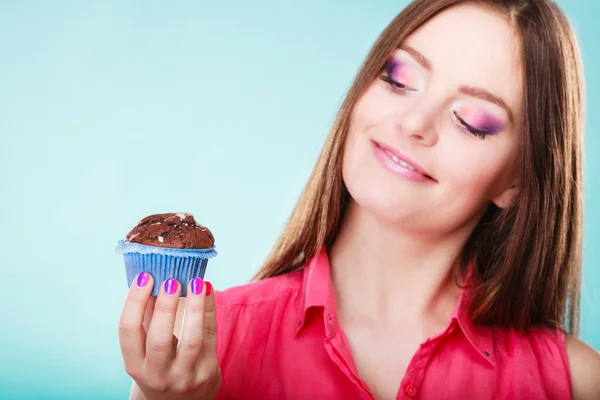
{"x":468,"y":90}
{"x":421,"y":59}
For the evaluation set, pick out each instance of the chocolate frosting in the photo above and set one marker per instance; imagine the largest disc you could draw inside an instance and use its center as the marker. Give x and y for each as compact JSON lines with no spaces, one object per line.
{"x":173,"y":230}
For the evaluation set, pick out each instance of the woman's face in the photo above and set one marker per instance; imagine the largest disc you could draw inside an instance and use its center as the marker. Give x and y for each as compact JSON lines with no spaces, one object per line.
{"x":434,"y":139}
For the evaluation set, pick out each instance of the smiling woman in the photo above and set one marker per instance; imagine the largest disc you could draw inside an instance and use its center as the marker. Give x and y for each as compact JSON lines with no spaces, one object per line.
{"x":436,"y":249}
{"x":423,"y":120}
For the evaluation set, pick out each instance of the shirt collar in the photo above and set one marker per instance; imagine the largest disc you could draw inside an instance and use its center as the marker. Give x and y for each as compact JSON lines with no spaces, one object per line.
{"x":316,"y":288}
{"x":480,"y":337}
{"x":317,"y":292}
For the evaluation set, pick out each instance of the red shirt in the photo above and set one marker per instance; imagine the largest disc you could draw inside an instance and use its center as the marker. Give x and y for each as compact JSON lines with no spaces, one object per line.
{"x":280,"y":339}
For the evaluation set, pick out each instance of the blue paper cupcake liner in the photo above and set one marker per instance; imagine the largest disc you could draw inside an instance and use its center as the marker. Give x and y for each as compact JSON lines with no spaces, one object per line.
{"x":164,"y":263}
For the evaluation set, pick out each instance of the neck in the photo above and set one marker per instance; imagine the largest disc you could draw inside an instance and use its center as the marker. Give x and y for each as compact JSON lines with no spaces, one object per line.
{"x":378,"y":269}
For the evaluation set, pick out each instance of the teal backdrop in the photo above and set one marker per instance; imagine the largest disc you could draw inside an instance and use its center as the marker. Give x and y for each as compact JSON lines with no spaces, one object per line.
{"x":113,"y":110}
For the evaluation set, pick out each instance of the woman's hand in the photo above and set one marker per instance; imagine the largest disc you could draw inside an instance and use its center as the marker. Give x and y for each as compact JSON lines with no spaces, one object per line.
{"x":162,"y":366}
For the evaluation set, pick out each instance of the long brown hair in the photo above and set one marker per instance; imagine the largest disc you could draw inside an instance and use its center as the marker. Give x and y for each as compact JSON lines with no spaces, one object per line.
{"x":528,"y":255}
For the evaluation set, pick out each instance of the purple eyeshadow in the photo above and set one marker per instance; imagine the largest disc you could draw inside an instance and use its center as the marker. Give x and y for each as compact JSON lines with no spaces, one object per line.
{"x":392,"y":66}
{"x":490,"y":125}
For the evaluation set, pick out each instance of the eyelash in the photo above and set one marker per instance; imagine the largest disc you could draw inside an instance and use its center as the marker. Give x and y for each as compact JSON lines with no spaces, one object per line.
{"x":476,"y":132}
{"x":394,"y":85}
{"x":398,"y":87}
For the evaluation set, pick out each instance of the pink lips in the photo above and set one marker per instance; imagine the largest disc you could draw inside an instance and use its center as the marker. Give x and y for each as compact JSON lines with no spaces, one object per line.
{"x":381,"y":153}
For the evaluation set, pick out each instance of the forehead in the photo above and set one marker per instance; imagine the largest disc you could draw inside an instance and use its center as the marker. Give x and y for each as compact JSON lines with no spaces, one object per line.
{"x":473,"y":45}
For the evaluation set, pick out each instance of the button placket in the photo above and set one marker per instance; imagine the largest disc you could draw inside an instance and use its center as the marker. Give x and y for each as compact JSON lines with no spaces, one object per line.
{"x":331,"y":345}
{"x":415,"y":373}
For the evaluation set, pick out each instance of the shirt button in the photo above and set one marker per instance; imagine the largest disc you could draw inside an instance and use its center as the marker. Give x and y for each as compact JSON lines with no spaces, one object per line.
{"x":410,"y":390}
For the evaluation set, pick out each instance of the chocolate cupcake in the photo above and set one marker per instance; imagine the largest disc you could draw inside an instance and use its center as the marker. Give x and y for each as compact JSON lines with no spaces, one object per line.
{"x":167,"y":246}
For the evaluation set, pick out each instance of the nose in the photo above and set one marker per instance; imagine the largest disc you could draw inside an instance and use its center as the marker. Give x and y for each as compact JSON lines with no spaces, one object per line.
{"x":417,"y":123}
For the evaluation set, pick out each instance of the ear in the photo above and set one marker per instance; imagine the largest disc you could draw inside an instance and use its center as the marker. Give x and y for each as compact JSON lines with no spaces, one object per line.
{"x":505,"y":197}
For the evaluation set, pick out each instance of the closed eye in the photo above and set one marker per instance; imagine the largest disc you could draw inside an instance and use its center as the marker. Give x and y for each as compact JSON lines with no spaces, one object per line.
{"x":395,"y":85}
{"x":476,"y":132}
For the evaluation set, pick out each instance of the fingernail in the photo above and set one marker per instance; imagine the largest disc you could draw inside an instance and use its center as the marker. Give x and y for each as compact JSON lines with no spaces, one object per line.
{"x":143,"y":279}
{"x":208,"y":288}
{"x":171,"y":286}
{"x":197,"y":285}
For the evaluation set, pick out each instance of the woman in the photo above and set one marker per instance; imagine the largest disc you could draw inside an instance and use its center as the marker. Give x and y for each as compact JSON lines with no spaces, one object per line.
{"x":436,"y":247}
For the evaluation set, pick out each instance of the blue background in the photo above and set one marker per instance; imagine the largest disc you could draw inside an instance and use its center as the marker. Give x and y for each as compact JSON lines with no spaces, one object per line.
{"x":113,"y":110}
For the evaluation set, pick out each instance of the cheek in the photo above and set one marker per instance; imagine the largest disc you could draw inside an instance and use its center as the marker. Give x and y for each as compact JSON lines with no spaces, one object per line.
{"x":367,"y":182}
{"x":372,"y":118}
{"x":375,"y":109}
{"x":354,"y":159}
{"x":476,"y":175}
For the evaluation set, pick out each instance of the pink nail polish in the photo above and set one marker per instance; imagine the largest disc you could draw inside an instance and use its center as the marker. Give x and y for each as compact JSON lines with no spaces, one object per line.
{"x":197,"y":285}
{"x":143,"y":279}
{"x":171,"y":286}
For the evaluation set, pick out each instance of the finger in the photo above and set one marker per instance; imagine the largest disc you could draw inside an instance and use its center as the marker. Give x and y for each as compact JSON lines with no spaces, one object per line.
{"x":209,"y":347}
{"x":192,"y":332}
{"x":159,"y":342}
{"x":208,"y":364}
{"x":179,"y":317}
{"x":148,"y":313}
{"x":132,"y":337}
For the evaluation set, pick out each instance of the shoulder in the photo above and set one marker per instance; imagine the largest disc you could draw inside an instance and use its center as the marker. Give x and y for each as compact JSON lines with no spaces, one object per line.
{"x":252,"y":315}
{"x":585,"y":369}
{"x":274,"y":289}
{"x":533,"y":361}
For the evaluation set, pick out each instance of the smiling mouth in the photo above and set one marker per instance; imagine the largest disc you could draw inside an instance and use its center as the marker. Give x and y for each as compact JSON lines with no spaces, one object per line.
{"x":402,"y":162}
{"x":398,"y":161}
